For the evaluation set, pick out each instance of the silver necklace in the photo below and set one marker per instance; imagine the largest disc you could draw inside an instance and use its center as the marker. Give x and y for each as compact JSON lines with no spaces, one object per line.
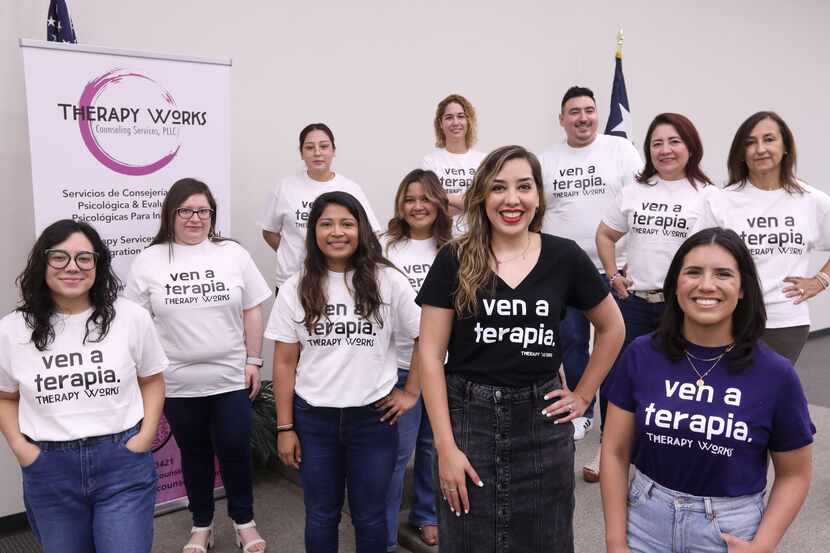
{"x":716,"y":360}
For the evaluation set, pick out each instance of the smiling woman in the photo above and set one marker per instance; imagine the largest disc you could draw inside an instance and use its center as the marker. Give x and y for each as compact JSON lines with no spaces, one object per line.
{"x":337,"y":326}
{"x":703,"y":403}
{"x":658,"y":212}
{"x":204,"y":293}
{"x":781,"y":219}
{"x":81,"y":392}
{"x":491,"y":305}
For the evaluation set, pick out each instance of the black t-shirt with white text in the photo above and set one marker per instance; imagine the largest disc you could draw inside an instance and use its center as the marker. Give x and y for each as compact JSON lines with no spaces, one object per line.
{"x":514,"y":339}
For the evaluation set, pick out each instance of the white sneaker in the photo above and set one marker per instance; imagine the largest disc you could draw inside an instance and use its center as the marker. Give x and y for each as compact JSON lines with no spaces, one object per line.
{"x":590,"y":472}
{"x":582,"y":425}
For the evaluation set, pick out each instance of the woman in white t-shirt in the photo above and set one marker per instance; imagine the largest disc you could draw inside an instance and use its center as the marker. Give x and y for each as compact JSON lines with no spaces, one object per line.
{"x":781,"y":220}
{"x":336,"y":326}
{"x":285,"y":217}
{"x":204,"y":294}
{"x":453,"y":160}
{"x":81,"y":393}
{"x":420,"y":226}
{"x":658,"y":212}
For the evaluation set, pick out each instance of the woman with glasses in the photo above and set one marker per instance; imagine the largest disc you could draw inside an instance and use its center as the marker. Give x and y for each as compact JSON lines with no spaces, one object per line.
{"x":286,"y":214}
{"x":81,"y":393}
{"x":204,"y":294}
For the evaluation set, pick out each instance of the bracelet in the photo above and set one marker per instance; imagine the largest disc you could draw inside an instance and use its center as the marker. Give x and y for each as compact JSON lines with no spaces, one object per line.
{"x":616,"y":276}
{"x":288,"y":426}
{"x":823,"y":279}
{"x":255,"y":361}
{"x":285,"y":429}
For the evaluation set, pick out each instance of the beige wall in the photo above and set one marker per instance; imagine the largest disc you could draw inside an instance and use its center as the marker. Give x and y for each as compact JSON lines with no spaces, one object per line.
{"x":374,"y":71}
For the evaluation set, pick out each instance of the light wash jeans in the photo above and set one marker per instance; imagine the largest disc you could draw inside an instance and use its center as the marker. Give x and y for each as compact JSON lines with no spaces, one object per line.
{"x":661,"y":520}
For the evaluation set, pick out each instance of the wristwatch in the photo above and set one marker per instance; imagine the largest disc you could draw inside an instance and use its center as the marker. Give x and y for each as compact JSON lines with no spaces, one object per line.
{"x":255,"y":361}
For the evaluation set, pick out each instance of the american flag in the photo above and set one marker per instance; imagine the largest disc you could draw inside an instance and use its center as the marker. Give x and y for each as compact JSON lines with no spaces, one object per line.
{"x":58,"y":23}
{"x":619,"y":116}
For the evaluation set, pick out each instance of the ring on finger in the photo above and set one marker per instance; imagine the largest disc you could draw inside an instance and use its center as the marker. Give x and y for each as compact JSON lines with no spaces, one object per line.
{"x":801,"y":291}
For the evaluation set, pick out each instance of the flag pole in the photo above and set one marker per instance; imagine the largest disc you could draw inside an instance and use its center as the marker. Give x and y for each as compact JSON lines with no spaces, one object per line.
{"x":620,"y":39}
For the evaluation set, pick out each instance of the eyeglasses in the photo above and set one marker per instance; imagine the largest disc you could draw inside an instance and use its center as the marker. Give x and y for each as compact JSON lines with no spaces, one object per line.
{"x":186,"y":213}
{"x":59,"y":259}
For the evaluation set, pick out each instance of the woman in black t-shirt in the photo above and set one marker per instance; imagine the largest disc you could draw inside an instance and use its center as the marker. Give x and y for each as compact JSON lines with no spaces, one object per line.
{"x":492,"y":300}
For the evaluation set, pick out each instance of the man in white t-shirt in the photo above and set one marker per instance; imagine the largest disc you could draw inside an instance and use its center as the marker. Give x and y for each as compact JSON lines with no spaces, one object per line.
{"x":582,"y":178}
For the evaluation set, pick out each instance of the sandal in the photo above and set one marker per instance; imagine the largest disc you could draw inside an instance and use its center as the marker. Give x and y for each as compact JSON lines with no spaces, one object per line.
{"x":429,"y":534}
{"x":198,"y":548}
{"x":246,"y":547}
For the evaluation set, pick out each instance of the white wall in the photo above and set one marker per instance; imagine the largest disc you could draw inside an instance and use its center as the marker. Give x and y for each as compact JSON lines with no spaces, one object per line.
{"x":375,"y":70}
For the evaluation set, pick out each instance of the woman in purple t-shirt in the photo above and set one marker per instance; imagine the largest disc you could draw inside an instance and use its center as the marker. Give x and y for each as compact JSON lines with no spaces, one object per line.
{"x":698,"y":407}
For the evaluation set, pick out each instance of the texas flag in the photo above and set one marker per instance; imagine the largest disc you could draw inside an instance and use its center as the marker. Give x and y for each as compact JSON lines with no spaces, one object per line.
{"x":619,"y":116}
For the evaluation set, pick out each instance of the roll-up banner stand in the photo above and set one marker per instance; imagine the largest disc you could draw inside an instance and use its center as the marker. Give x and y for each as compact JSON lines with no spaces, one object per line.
{"x":110,"y":131}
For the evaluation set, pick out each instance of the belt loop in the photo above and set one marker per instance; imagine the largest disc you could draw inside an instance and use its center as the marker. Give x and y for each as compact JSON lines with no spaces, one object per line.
{"x":710,"y":511}
{"x":468,"y":390}
{"x":648,"y":488}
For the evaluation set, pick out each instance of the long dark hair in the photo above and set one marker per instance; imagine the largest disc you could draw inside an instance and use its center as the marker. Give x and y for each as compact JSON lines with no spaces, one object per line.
{"x":690,"y":137}
{"x":365,"y":262}
{"x":181,"y":190}
{"x":398,"y":229}
{"x":749,"y":317}
{"x":736,"y":163}
{"x":37,"y":305}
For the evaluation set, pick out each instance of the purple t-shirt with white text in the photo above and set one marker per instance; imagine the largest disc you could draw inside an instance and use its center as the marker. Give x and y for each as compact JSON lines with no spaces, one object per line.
{"x":710,"y":440}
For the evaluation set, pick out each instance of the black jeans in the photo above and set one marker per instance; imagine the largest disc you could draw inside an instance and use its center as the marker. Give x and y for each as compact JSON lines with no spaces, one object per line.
{"x":214,"y":425}
{"x":526,"y":463}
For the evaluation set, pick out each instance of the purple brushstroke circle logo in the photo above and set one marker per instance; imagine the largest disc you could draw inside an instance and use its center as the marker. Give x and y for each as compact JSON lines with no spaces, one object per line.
{"x":90,"y":93}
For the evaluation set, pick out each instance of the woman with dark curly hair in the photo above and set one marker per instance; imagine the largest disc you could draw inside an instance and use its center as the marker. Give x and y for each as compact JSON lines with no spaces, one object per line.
{"x":81,"y":393}
{"x":337,"y":325}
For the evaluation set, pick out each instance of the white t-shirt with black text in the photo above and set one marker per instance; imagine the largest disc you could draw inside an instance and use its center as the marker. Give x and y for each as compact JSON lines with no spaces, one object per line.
{"x":75,"y":390}
{"x":780,"y":229}
{"x":287,"y":214}
{"x":657,"y":218}
{"x":581,"y":184}
{"x":196,"y":298}
{"x":456,"y":173}
{"x":414,"y":258}
{"x":346,"y":360}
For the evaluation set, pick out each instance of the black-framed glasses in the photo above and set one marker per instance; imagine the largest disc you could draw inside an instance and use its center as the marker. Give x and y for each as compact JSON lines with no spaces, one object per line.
{"x":59,"y":259}
{"x":186,"y":213}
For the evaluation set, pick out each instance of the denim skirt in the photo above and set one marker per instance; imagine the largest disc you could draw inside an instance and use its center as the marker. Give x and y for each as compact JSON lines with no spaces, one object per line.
{"x":526,"y":463}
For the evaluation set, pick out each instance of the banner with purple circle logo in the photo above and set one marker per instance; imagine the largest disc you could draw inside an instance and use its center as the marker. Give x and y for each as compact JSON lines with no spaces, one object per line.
{"x":111,"y":130}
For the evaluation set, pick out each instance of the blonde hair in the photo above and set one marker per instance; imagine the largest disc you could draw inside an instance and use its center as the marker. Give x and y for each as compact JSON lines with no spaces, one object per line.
{"x":473,"y":247}
{"x":470,"y":136}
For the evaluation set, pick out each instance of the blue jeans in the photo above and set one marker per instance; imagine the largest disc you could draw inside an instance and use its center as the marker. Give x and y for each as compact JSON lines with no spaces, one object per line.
{"x":217,"y":425}
{"x":575,"y":333}
{"x":661,"y":520}
{"x":640,"y":318}
{"x":344,"y":448}
{"x":414,"y":435}
{"x":91,"y":496}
